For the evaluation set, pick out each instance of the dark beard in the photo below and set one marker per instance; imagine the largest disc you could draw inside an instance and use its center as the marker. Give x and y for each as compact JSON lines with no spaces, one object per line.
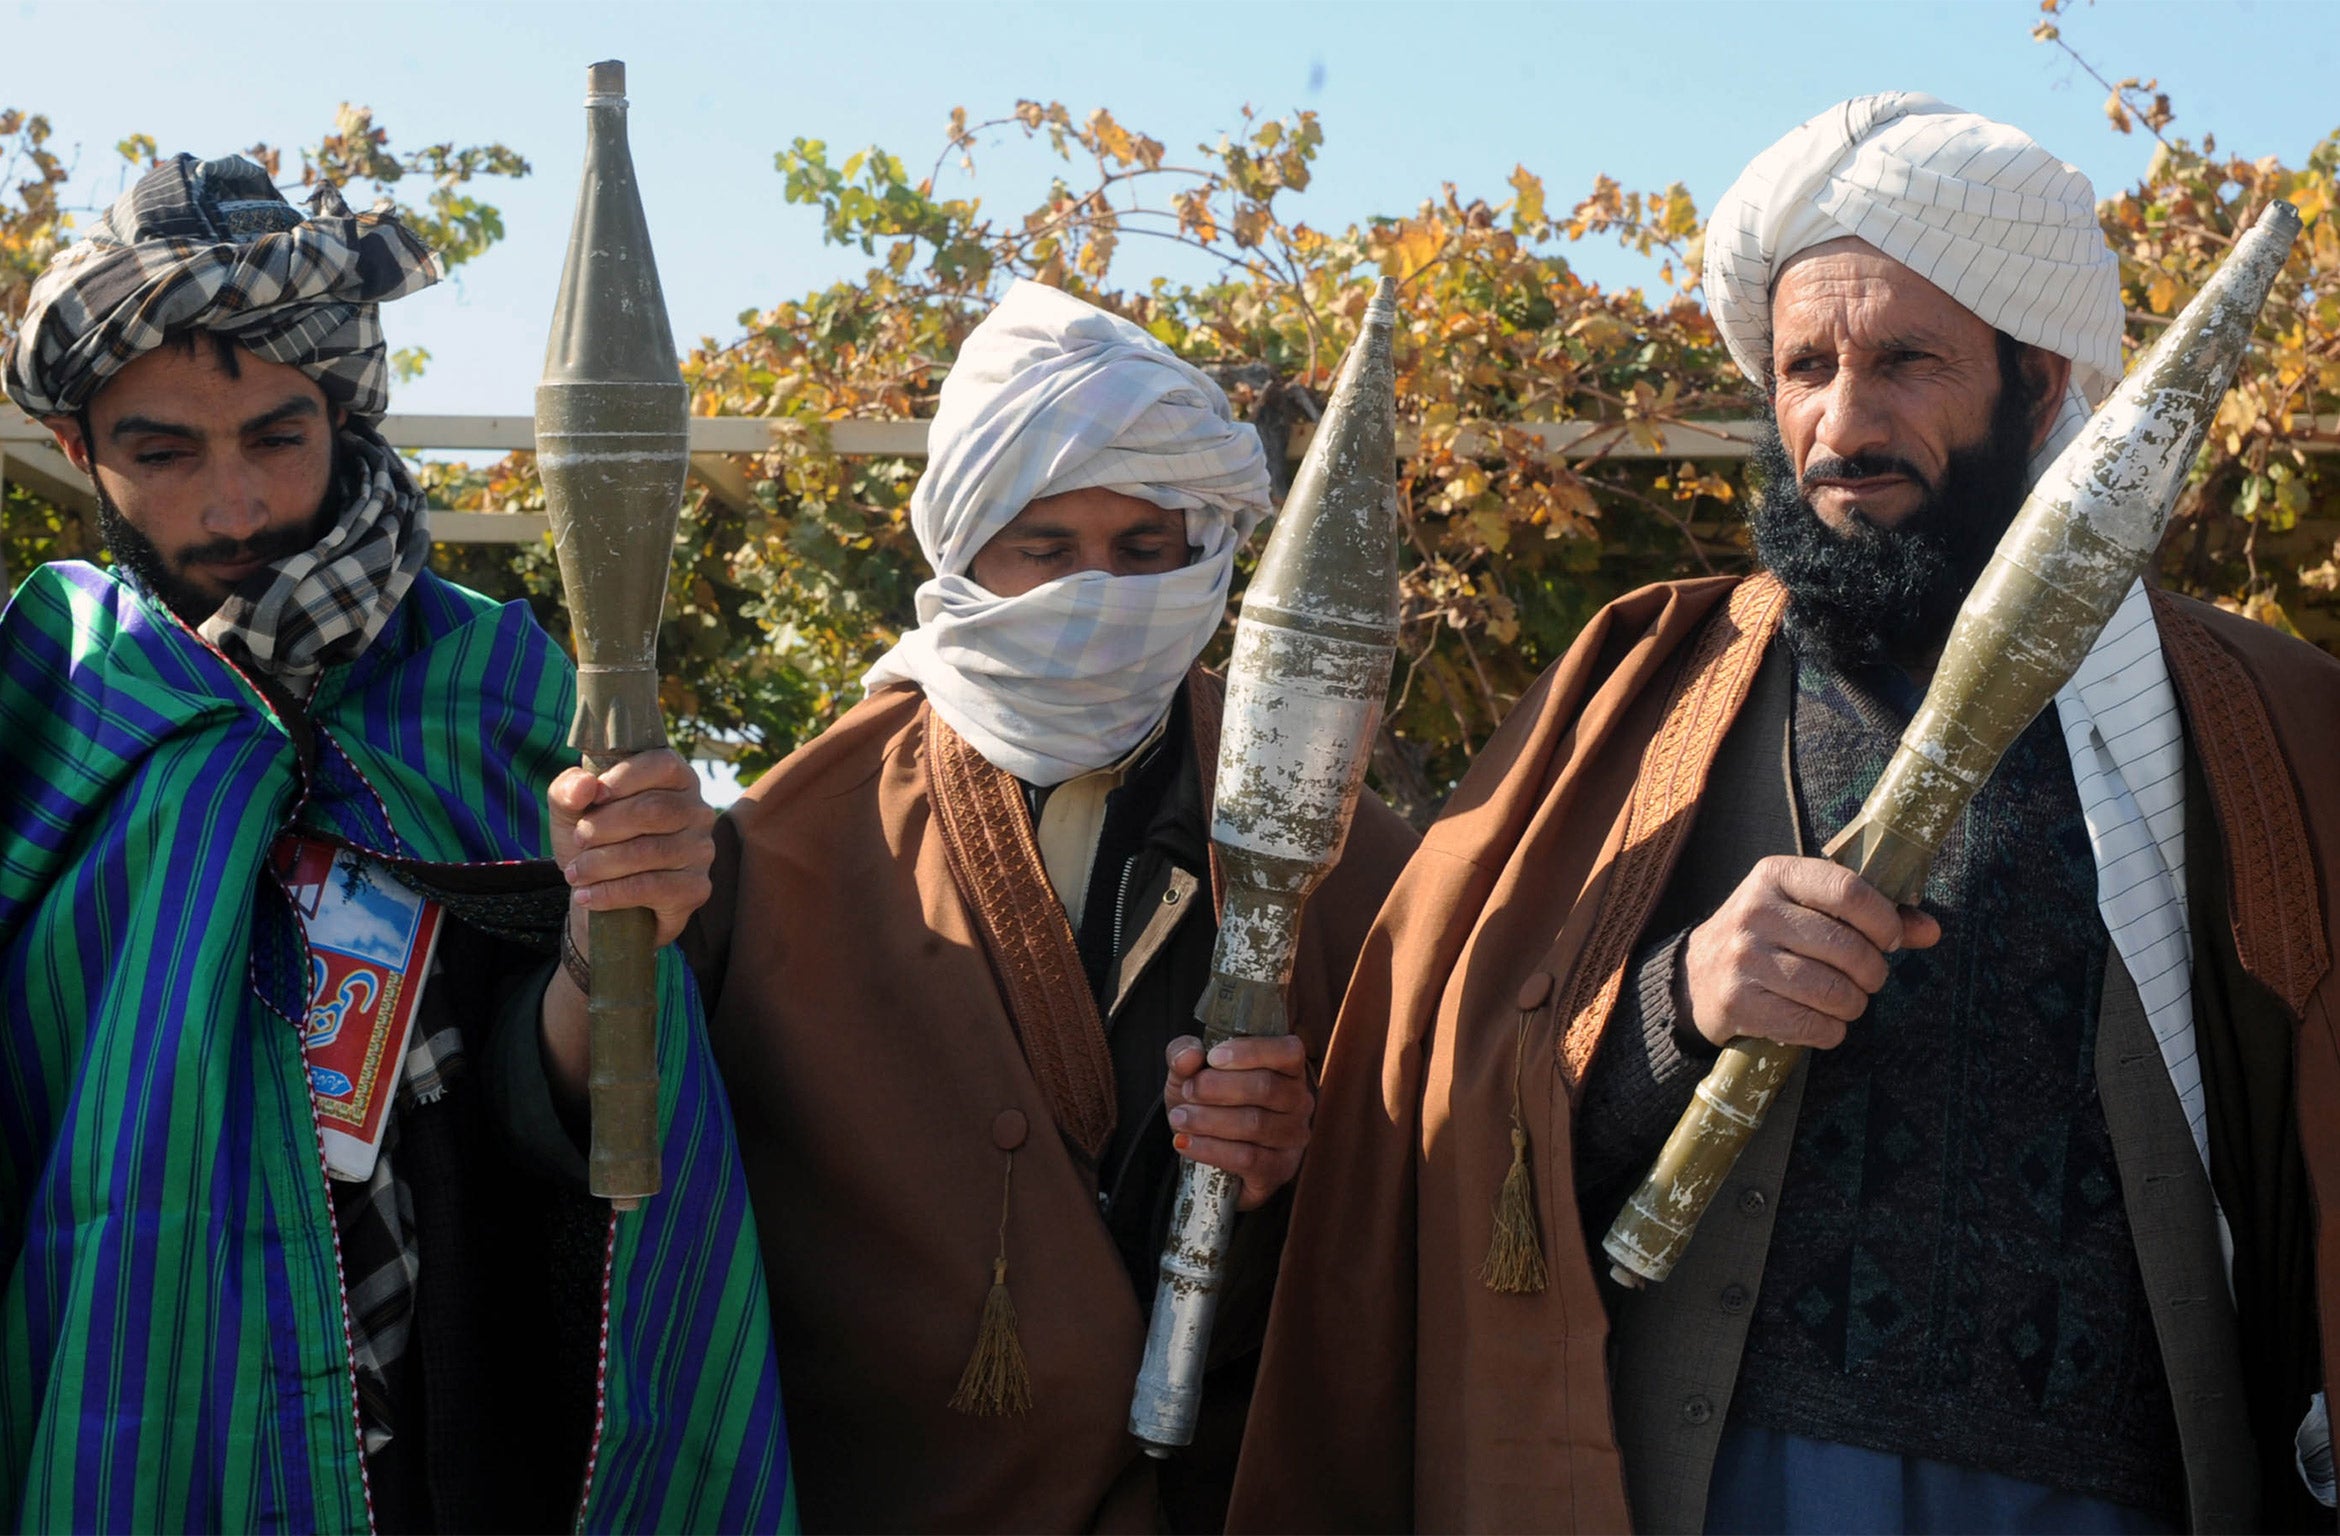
{"x":1866,"y":593}
{"x":144,"y":560}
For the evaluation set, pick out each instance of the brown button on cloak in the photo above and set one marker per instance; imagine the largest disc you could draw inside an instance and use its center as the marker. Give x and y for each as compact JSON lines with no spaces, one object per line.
{"x":899,"y":998}
{"x":1398,"y":1390}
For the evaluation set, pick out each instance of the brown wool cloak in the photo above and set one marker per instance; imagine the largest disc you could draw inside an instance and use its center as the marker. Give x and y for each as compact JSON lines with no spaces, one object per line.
{"x":900,"y":999}
{"x":1397,"y":1391}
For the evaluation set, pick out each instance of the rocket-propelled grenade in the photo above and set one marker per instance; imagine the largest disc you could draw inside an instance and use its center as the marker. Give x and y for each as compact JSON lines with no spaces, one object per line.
{"x":1305,"y":686}
{"x":2086,"y":531}
{"x":612,"y":447}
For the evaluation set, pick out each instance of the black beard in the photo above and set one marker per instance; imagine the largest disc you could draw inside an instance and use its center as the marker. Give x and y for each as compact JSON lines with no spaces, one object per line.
{"x":1866,"y":593}
{"x":146,"y":563}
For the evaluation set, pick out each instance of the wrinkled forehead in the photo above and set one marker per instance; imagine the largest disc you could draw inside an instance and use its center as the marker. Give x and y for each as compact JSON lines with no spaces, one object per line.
{"x":1847,"y":290}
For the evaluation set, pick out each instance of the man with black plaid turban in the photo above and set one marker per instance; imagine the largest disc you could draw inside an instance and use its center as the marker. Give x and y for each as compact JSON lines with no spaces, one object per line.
{"x":293,"y":1223}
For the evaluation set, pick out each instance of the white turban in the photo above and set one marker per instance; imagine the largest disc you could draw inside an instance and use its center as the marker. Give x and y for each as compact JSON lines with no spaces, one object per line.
{"x":1975,"y":207}
{"x":1051,"y":395}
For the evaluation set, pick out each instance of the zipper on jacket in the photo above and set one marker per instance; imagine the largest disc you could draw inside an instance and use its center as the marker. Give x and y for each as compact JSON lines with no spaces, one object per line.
{"x":1121,"y":906}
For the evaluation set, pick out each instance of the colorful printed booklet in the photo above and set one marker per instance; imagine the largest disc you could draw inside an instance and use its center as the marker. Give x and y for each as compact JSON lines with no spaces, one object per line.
{"x":370,"y":943}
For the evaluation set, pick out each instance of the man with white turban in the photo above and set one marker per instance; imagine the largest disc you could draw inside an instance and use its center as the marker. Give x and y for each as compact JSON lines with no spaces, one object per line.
{"x":2027,"y":1242}
{"x":955,"y":950}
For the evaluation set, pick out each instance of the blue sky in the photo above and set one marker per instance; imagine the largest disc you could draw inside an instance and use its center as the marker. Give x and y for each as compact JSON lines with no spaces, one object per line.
{"x":1411,"y":94}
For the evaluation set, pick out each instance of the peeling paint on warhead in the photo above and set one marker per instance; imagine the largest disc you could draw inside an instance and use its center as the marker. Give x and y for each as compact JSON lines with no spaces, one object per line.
{"x":2087,"y":529}
{"x":2068,"y":559}
{"x":1305,"y":685}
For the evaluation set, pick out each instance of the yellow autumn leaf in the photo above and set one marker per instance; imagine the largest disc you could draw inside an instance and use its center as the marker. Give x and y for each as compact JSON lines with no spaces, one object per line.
{"x":1527,"y":196}
{"x":1681,"y":216}
{"x":1112,"y":139}
{"x":2263,"y":607}
{"x":1418,"y":244}
{"x":1493,"y":528}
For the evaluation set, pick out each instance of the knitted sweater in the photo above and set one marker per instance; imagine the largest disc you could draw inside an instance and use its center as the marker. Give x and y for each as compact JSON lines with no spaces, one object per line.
{"x":1952,"y":1275}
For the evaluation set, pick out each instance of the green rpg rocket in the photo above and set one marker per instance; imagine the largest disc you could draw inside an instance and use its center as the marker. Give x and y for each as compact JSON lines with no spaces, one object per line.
{"x":612,"y":447}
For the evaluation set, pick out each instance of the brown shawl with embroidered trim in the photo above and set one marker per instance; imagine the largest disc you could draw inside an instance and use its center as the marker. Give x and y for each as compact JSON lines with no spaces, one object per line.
{"x":1398,"y":1391}
{"x":900,"y":1000}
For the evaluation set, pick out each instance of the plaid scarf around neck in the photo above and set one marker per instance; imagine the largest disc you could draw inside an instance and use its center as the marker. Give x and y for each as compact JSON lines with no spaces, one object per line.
{"x":327,"y":603}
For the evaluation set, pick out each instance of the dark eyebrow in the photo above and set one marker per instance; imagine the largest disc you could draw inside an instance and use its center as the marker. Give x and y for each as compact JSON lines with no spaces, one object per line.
{"x":299,"y":407}
{"x":1039,"y":531}
{"x":1910,"y":341}
{"x":147,"y":426}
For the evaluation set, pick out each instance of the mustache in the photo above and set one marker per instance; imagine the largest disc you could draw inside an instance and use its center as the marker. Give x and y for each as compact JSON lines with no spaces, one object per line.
{"x":268,"y":547}
{"x":1860,"y":466}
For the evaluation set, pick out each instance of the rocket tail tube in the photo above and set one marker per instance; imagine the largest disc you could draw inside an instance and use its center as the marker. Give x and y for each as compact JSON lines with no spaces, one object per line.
{"x":621,"y":1082}
{"x":2087,"y":529}
{"x":613,"y":447}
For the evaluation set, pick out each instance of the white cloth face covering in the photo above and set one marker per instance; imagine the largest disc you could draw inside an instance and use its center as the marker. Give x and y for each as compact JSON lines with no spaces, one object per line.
{"x":1050,"y":395}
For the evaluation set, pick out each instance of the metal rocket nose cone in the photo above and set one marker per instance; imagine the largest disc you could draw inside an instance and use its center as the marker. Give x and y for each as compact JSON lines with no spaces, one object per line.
{"x":609,"y":319}
{"x":612,"y":437}
{"x":2259,"y":254}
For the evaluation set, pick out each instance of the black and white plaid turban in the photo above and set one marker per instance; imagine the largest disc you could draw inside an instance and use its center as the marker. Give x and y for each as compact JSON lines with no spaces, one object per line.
{"x":212,"y":245}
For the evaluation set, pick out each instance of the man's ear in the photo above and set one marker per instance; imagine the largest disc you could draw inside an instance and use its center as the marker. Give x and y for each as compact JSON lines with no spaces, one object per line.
{"x":2047,"y":375}
{"x":67,"y":431}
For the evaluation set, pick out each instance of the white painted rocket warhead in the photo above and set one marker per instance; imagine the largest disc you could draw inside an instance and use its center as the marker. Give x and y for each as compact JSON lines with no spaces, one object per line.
{"x":1313,"y":650}
{"x":2090,"y":525}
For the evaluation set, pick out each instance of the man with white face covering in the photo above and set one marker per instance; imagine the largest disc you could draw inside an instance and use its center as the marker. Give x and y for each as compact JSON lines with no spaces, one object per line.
{"x":2028,"y":1241}
{"x":955,"y":948}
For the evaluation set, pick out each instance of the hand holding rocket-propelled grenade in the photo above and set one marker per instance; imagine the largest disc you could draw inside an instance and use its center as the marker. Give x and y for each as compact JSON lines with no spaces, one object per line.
{"x":612,"y":448}
{"x":1305,"y":685}
{"x":2084,"y":533}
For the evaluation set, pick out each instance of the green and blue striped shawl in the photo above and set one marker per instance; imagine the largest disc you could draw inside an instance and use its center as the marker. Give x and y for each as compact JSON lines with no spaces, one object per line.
{"x":172,"y":1351}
